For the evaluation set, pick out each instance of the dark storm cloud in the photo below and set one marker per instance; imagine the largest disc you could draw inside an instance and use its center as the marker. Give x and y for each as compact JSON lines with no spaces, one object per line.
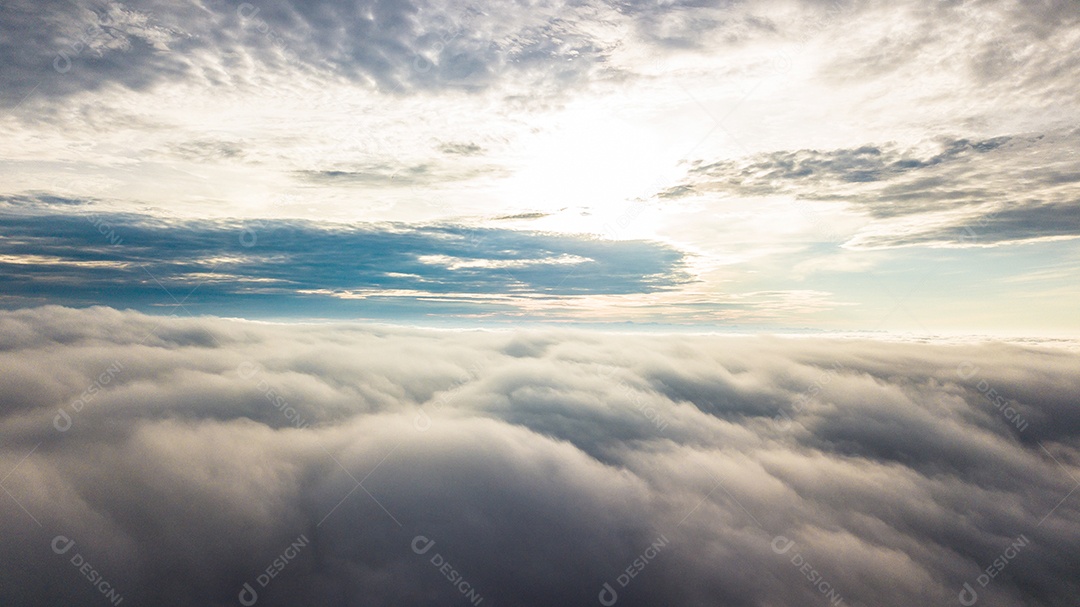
{"x":1002,"y":189}
{"x":183,"y":456}
{"x":280,"y":266}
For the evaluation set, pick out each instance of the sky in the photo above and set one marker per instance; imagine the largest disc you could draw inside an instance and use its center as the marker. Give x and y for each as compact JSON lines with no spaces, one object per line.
{"x":780,"y":165}
{"x":395,"y":303}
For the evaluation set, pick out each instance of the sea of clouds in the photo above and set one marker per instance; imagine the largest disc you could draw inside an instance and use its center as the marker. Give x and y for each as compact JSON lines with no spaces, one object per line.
{"x":151,"y":460}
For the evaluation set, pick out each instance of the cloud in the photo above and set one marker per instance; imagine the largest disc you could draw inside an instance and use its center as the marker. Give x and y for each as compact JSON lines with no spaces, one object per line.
{"x":519,"y":216}
{"x":461,"y":149}
{"x":192,"y":453}
{"x":400,"y":177}
{"x":208,"y":150}
{"x":1013,"y":223}
{"x":1006,"y":188}
{"x":280,"y":266}
{"x":996,"y":49}
{"x":787,"y":172}
{"x":58,"y":48}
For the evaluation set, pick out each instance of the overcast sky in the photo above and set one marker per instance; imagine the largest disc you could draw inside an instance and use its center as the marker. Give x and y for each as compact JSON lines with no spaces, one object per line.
{"x":851,"y":165}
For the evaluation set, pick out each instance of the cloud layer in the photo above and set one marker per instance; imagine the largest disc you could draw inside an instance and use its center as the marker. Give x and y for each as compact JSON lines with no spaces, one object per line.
{"x":396,"y":46}
{"x":184,"y":456}
{"x":405,"y":46}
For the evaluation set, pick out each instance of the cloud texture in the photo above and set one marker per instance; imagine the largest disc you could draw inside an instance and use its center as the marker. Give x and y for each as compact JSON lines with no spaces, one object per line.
{"x":186,"y":458}
{"x":782,"y":152}
{"x":278,"y":266}
{"x":962,"y":193}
